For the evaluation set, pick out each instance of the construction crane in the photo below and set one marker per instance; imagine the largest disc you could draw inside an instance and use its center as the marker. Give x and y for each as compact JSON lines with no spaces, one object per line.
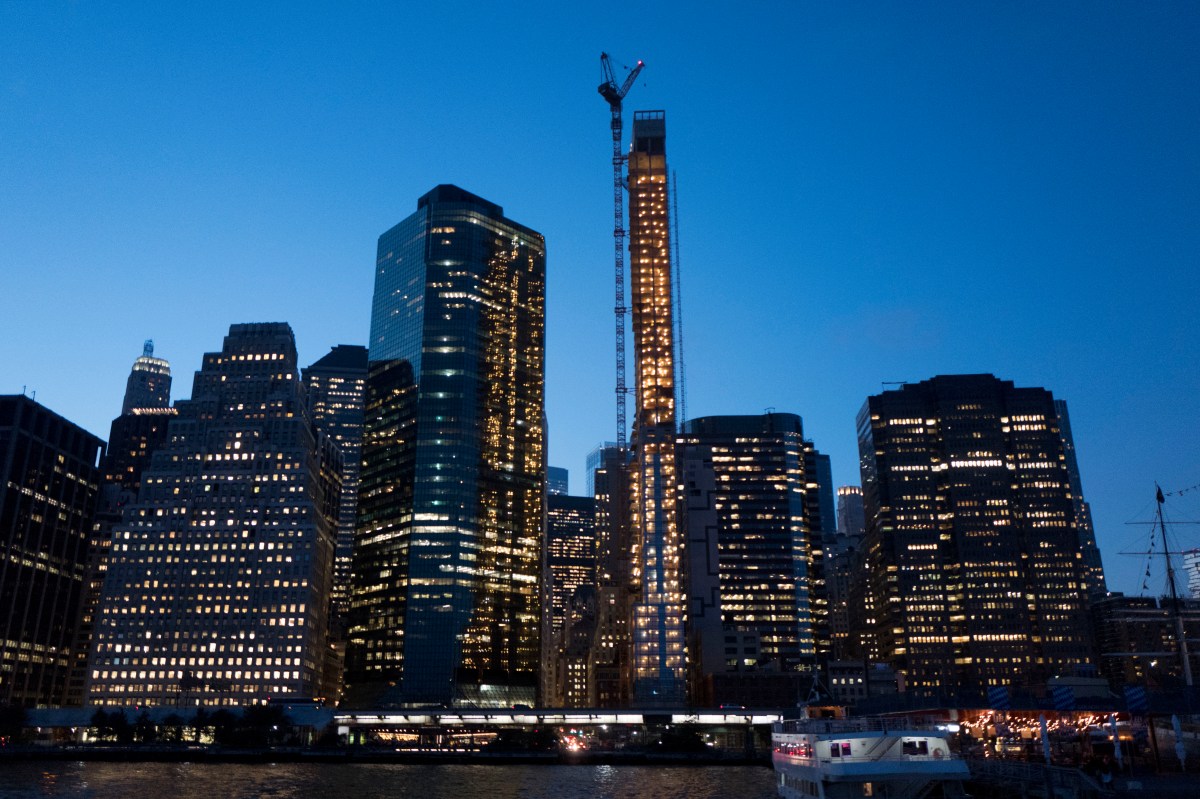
{"x":614,"y":94}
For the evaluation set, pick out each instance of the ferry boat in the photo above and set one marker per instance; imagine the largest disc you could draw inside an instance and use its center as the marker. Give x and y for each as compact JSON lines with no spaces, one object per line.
{"x":893,"y":758}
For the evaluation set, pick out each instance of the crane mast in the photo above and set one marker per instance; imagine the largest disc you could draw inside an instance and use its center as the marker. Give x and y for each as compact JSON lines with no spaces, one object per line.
{"x":614,"y":95}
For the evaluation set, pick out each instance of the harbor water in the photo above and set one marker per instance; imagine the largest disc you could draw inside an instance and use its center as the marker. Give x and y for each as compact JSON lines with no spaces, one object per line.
{"x":105,"y":780}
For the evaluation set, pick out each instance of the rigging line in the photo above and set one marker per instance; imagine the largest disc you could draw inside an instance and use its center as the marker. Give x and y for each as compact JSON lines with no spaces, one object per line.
{"x":1181,"y":491}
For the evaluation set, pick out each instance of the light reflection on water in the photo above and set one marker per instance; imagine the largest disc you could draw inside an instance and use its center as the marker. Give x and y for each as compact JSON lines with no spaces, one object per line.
{"x":379,"y":781}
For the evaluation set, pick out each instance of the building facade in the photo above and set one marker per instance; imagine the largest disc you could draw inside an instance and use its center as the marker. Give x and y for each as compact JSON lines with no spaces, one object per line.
{"x":217,"y":588}
{"x":1138,"y":643}
{"x":975,"y":574}
{"x":749,"y":545}
{"x":49,"y":483}
{"x":132,"y":440}
{"x":659,"y":647}
{"x":445,"y":603}
{"x":1095,"y":583}
{"x":570,"y":558}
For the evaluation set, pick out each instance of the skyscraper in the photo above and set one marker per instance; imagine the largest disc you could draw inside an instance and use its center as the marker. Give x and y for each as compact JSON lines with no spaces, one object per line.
{"x":133,"y":438}
{"x":557,"y":480}
{"x":570,"y":565}
{"x":976,"y":574}
{"x":49,"y":479}
{"x":1093,"y":573}
{"x":448,"y":552}
{"x":217,"y":588}
{"x":749,"y":542}
{"x":335,"y":389}
{"x":843,"y":565}
{"x":659,"y":650}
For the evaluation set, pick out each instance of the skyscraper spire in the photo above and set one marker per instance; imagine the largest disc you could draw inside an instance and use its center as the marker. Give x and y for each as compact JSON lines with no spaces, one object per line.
{"x":149,"y":383}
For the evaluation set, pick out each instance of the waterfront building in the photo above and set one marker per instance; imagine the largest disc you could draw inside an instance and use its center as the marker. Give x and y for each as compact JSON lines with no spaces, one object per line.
{"x":1137,"y":642}
{"x":557,"y":480}
{"x":750,"y":543}
{"x":217,"y":588}
{"x":1094,"y":583}
{"x":851,"y":682}
{"x":447,"y":562}
{"x":659,"y":650}
{"x":134,"y":436}
{"x":335,"y":390}
{"x":975,"y":571}
{"x":49,"y":484}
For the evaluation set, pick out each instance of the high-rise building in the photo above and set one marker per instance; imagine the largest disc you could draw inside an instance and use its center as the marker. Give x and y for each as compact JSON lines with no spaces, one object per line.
{"x":975,"y":569}
{"x":659,"y":648}
{"x":447,"y":563}
{"x":594,"y":461}
{"x":570,"y":565}
{"x":610,"y":656}
{"x":851,"y":519}
{"x":49,"y":481}
{"x":749,"y":546}
{"x":133,"y":438}
{"x":149,"y":383}
{"x":557,"y":480}
{"x":822,"y":524}
{"x":1093,"y":572}
{"x":843,"y":568}
{"x":335,"y":389}
{"x":217,"y":589}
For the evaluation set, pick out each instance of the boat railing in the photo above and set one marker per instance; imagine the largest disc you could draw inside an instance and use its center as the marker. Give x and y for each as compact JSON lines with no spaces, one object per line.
{"x":862,"y":724}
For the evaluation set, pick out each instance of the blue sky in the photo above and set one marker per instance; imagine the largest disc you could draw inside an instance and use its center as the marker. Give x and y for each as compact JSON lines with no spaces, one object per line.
{"x":868,"y":192}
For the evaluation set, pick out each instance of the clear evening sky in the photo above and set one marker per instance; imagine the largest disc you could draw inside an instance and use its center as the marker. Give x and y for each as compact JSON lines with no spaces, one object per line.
{"x":868,"y":192}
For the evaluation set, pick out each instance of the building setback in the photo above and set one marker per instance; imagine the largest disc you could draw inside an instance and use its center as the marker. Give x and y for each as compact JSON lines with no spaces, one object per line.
{"x":217,"y":589}
{"x":445,"y":606}
{"x":749,"y":546}
{"x":49,"y":480}
{"x":975,"y":574}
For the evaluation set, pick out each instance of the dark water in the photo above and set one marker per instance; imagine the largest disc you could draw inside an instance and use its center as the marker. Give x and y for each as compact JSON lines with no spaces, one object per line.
{"x":367,"y":781}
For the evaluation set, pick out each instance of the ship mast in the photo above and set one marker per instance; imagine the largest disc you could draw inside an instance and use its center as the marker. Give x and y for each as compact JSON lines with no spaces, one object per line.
{"x":1176,"y":617}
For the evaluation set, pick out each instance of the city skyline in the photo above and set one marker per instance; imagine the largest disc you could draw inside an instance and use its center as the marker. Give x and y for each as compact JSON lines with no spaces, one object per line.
{"x":1047,"y":156}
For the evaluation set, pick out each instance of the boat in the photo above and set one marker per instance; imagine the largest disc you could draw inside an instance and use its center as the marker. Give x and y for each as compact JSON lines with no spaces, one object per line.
{"x":884,"y":757}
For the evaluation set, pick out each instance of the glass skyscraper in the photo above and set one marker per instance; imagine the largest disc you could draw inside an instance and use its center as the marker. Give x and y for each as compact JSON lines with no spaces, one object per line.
{"x":448,"y":552}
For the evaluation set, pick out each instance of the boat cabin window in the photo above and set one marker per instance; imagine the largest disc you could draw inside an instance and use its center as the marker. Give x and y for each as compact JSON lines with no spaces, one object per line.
{"x":841,"y":749}
{"x":917,"y":747}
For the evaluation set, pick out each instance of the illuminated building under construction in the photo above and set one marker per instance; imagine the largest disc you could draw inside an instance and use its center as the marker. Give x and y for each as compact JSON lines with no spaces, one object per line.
{"x":659,"y":654}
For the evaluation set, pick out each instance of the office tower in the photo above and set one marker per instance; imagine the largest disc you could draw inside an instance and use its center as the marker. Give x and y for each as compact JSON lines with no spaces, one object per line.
{"x":973,"y":554}
{"x":570,"y":565}
{"x":822,"y":524}
{"x":217,"y":590}
{"x":843,"y":567}
{"x":149,"y":383}
{"x":659,"y":652}
{"x":447,"y":562}
{"x":335,"y":389}
{"x":594,"y":461}
{"x":1137,"y":642}
{"x":851,"y":519}
{"x":610,"y":658}
{"x":749,"y":546}
{"x":49,"y":481}
{"x":557,"y":480}
{"x":1093,"y":573}
{"x":132,"y":440}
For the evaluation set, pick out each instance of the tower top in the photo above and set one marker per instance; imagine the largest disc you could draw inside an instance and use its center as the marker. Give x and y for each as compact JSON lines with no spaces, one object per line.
{"x":148,"y":348}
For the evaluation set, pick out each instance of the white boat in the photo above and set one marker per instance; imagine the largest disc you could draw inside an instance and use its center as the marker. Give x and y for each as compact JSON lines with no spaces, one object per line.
{"x":835,"y":758}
